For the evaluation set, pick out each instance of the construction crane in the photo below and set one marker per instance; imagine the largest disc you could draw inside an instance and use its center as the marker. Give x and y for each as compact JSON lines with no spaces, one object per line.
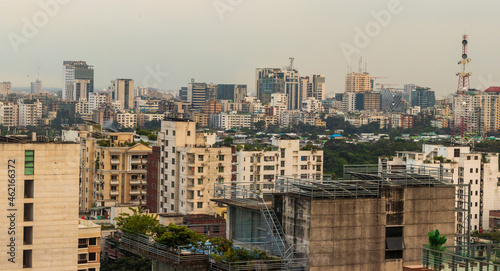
{"x":382,"y":85}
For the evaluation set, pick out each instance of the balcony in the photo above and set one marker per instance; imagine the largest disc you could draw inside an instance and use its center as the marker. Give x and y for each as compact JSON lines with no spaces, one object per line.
{"x":137,"y":192}
{"x":115,"y":161}
{"x":114,"y":182}
{"x":139,"y":160}
{"x":114,"y":193}
{"x":136,"y":181}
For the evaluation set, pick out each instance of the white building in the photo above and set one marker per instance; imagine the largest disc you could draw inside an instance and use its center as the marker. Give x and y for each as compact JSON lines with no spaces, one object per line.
{"x":231,"y":120}
{"x":311,"y":104}
{"x":30,"y":112}
{"x":97,"y":99}
{"x":9,"y":114}
{"x":127,"y":120}
{"x":478,"y":169}
{"x":285,"y":159}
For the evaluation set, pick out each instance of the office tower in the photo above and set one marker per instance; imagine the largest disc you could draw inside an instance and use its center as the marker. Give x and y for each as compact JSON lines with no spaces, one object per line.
{"x":274,"y":80}
{"x":408,"y":89}
{"x":423,"y":97}
{"x":36,"y":87}
{"x":317,"y":87}
{"x":73,"y":70}
{"x":122,"y":90}
{"x":235,"y":93}
{"x":267,"y":82}
{"x":199,"y":93}
{"x":391,"y":100}
{"x":78,"y":89}
{"x":371,"y":101}
{"x":358,"y":82}
{"x":183,"y":94}
{"x":5,"y":88}
{"x":40,"y":205}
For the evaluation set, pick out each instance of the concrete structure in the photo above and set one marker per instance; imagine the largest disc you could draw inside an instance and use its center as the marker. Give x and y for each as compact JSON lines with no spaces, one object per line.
{"x":127,"y":120}
{"x":378,"y":224}
{"x":39,"y":198}
{"x":36,"y":87}
{"x":74,"y":70}
{"x":122,"y":90}
{"x":153,"y":180}
{"x":97,"y":99}
{"x":231,"y":120}
{"x":77,"y":89}
{"x":236,"y":93}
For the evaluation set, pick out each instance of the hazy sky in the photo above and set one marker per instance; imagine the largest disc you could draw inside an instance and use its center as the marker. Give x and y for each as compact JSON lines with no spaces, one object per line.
{"x":223,"y":41}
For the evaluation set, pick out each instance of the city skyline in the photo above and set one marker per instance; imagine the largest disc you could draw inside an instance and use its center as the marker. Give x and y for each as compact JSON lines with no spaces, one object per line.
{"x":224,"y":41}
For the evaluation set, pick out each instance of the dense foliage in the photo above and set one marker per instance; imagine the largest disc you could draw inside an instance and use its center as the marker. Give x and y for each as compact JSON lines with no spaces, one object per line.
{"x":173,"y":236}
{"x":138,"y":222}
{"x":128,"y":263}
{"x":338,"y":153}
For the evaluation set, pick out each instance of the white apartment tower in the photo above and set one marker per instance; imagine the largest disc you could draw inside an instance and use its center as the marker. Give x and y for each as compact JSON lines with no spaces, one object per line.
{"x":30,"y":112}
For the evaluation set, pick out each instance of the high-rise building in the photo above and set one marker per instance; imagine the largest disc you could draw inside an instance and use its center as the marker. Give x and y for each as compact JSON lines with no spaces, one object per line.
{"x":9,"y":114}
{"x":197,"y":94}
{"x":40,"y":205}
{"x":236,"y":93}
{"x":36,"y":87}
{"x":358,"y":82}
{"x":423,"y":97}
{"x":392,"y":100}
{"x":97,"y":99}
{"x":275,"y":80}
{"x":189,"y":168}
{"x":408,"y":88}
{"x":73,"y":70}
{"x":30,"y":112}
{"x":122,"y":90}
{"x":5,"y":88}
{"x":316,"y":88}
{"x":78,"y":89}
{"x":371,"y":101}
{"x":183,"y":94}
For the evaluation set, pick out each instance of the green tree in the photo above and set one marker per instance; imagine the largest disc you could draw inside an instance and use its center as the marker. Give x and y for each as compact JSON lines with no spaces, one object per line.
{"x":436,"y":242}
{"x":174,"y":236}
{"x":259,"y":125}
{"x":128,"y":263}
{"x":228,"y":141}
{"x":138,"y":222}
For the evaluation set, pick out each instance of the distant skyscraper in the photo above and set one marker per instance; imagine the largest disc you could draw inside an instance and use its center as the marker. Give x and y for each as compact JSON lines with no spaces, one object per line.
{"x":5,"y":88}
{"x":358,"y":82}
{"x":267,"y":82}
{"x":408,"y":88}
{"x":391,"y":100}
{"x":183,"y":94}
{"x":316,"y":87}
{"x":423,"y":97}
{"x":73,"y":70}
{"x":36,"y":87}
{"x":197,"y":95}
{"x":232,"y":92}
{"x":122,"y":90}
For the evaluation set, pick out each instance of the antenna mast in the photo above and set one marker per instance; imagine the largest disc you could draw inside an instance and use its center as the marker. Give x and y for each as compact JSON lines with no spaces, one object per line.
{"x":463,"y":77}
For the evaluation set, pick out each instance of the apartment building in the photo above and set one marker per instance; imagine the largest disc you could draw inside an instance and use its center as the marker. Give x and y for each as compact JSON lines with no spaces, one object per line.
{"x":122,"y":90}
{"x":127,"y":120}
{"x":189,"y":167}
{"x":283,"y":158}
{"x":89,"y":246}
{"x":9,"y":114}
{"x":39,"y":205}
{"x":73,"y":71}
{"x":231,"y":120}
{"x":97,"y":99}
{"x":113,"y":168}
{"x":5,"y":88}
{"x":30,"y":112}
{"x":358,"y":82}
{"x":479,"y":169}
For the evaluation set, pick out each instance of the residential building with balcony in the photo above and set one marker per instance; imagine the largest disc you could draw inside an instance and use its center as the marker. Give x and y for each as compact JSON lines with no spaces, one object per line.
{"x":89,"y":246}
{"x":189,"y":167}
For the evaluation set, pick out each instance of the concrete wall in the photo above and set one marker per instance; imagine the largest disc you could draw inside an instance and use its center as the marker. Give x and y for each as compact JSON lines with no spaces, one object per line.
{"x":350,"y":234}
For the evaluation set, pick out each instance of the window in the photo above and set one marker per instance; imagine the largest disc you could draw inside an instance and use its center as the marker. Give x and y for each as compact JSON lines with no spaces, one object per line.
{"x":92,"y":257}
{"x":172,"y":196}
{"x":173,"y":184}
{"x":457,"y":153}
{"x":188,"y":133}
{"x":468,"y":157}
{"x":28,"y":189}
{"x":477,"y":170}
{"x":114,"y":167}
{"x":221,"y":157}
{"x":318,"y":168}
{"x":200,"y":157}
{"x":28,"y":235}
{"x":200,"y":169}
{"x":82,"y":258}
{"x":28,"y":212}
{"x":199,"y":193}
{"x":29,"y":163}
{"x":268,"y":167}
{"x":394,"y":243}
{"x":173,"y":161}
{"x":215,"y":229}
{"x":282,"y":163}
{"x":27,"y":256}
{"x":199,"y":205}
{"x":173,"y":132}
{"x":200,"y":181}
{"x":475,"y":157}
{"x":471,"y":170}
{"x":221,"y":169}
{"x":303,"y":158}
{"x":171,"y":207}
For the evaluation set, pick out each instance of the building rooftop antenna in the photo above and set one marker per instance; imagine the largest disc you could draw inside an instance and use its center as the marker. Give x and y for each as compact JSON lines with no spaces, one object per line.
{"x":463,"y":76}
